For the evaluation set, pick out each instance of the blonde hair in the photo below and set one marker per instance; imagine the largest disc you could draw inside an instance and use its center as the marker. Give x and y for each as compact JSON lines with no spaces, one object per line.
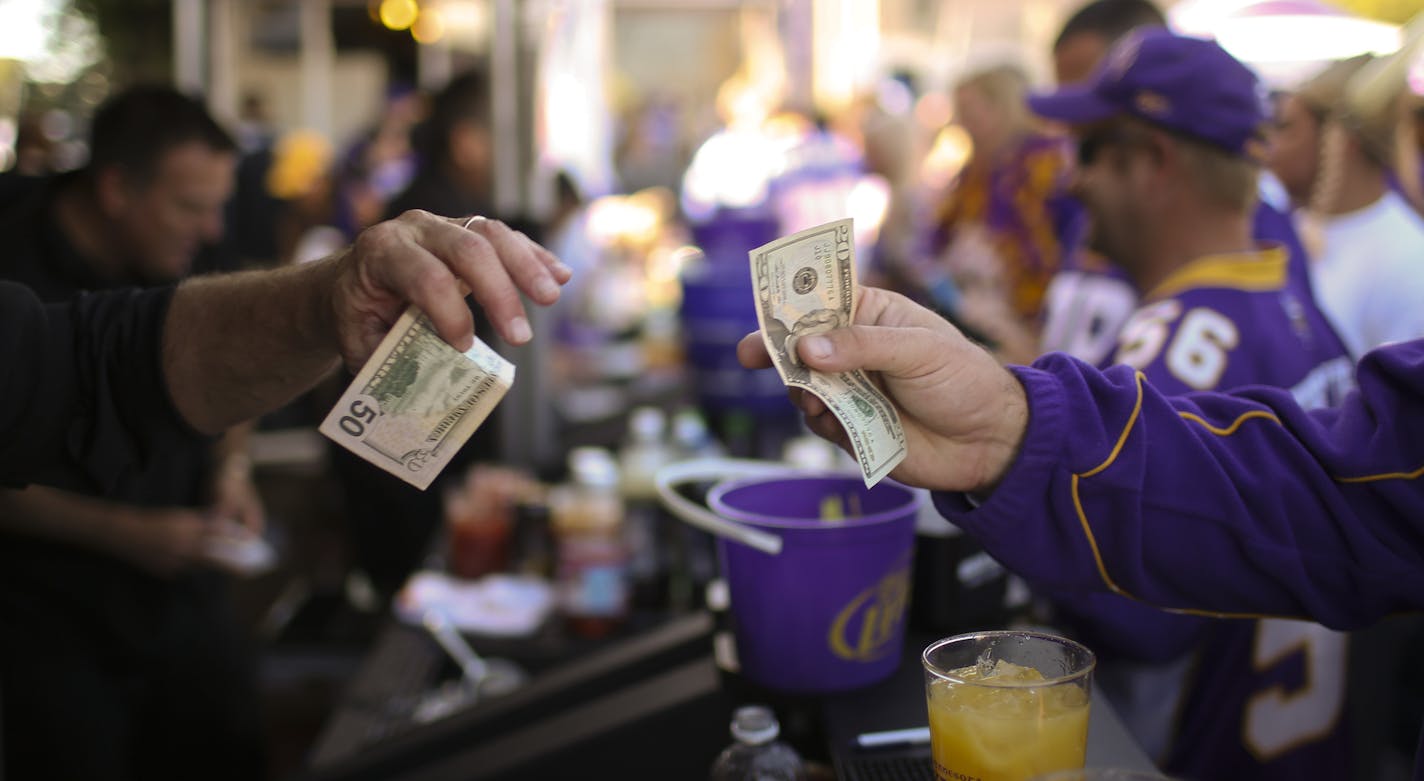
{"x":1371,"y":120}
{"x":1006,"y":88}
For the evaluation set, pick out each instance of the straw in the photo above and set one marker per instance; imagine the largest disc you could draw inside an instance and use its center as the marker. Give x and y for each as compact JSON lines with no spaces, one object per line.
{"x":702,"y":469}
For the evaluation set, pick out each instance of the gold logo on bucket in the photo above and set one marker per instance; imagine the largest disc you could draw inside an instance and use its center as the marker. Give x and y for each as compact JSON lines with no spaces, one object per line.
{"x":881,"y":608}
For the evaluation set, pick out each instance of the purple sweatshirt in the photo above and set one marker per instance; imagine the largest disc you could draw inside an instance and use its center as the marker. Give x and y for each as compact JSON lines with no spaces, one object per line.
{"x":1214,"y":711}
{"x":1248,"y":505}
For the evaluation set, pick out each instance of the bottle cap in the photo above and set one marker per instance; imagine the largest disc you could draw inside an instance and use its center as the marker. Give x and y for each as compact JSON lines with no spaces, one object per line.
{"x":755,"y":724}
{"x":593,"y":466}
{"x":647,"y":424}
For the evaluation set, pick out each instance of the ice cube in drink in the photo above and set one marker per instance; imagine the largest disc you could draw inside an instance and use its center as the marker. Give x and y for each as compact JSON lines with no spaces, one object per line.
{"x":997,"y":722}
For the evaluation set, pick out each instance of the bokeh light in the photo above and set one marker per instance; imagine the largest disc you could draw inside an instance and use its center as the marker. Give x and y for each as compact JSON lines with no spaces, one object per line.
{"x":399,"y":14}
{"x":429,"y":27}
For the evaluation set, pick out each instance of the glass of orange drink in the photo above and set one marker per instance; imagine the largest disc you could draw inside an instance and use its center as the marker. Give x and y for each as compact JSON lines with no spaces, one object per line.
{"x":1007,"y":706}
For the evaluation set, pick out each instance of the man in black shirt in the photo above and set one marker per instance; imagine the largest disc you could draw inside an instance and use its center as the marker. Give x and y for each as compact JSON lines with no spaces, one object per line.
{"x":115,"y":625}
{"x":86,"y":399}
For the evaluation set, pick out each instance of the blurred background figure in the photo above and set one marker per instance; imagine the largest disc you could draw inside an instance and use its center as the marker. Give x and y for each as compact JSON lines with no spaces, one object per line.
{"x":1085,"y":38}
{"x":1004,"y":226}
{"x":1089,"y":300}
{"x":1335,"y":160}
{"x":117,"y":626}
{"x":34,"y":149}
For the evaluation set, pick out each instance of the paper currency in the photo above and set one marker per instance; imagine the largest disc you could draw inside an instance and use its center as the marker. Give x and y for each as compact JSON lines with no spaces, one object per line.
{"x":417,"y":400}
{"x":805,"y":284}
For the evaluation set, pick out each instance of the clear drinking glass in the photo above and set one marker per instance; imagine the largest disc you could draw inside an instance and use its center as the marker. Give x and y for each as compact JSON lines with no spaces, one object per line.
{"x":1007,"y":705}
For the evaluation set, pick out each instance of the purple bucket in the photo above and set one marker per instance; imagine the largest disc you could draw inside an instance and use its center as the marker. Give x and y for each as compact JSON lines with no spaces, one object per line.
{"x":827,"y":613}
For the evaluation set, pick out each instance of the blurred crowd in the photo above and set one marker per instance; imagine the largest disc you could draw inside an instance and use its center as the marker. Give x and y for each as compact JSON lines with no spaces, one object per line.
{"x":1208,"y":235}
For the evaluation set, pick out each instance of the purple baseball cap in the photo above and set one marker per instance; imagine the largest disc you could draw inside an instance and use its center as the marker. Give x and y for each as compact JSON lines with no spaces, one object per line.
{"x":1186,"y":85}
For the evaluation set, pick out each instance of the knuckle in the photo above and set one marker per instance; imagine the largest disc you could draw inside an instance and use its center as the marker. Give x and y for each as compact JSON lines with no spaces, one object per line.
{"x":431,"y":280}
{"x":378,"y":238}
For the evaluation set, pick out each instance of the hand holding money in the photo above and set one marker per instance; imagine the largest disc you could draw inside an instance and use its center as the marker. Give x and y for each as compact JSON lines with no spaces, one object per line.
{"x":805,"y":286}
{"x":417,"y":399}
{"x":433,"y":262}
{"x":963,"y":413}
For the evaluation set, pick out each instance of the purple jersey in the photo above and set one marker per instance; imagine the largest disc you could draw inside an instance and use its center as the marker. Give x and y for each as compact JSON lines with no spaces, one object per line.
{"x":1022,"y":201}
{"x":1222,"y":322}
{"x":1089,"y":299}
{"x":1240,"y":504}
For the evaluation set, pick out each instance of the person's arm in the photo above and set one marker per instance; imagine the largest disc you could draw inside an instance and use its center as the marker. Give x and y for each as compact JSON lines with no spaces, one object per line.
{"x":82,"y":398}
{"x":84,"y":395}
{"x":1237,"y":503}
{"x":161,"y":541}
{"x":237,"y":346}
{"x":1224,"y":502}
{"x":233,"y":495}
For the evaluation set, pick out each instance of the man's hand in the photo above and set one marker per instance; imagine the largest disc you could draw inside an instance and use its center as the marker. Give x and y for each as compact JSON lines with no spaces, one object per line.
{"x":964,"y":415}
{"x":162,"y":542}
{"x":237,"y":346}
{"x":432,"y":262}
{"x":236,"y":498}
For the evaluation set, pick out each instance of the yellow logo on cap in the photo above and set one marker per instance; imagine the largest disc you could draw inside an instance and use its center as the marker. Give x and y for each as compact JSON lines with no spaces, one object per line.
{"x":1151,"y":103}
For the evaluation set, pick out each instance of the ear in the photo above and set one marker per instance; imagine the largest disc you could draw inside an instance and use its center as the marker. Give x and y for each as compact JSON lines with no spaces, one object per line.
{"x":111,"y":190}
{"x":1165,"y":154}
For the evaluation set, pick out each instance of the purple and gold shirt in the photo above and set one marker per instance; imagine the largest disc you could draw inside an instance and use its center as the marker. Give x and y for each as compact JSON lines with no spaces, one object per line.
{"x":1022,"y":201}
{"x":1241,"y":505}
{"x":1218,"y":323}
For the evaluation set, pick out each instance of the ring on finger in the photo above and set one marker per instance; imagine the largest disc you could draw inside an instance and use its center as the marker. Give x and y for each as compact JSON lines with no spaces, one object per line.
{"x":476,"y":218}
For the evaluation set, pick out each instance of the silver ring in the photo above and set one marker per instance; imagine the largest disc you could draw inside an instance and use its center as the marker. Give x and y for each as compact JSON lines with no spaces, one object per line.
{"x":472,"y":221}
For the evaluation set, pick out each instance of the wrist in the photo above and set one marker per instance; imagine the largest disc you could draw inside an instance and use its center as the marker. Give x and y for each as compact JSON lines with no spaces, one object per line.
{"x":319,"y":315}
{"x":235,"y":466}
{"x":1009,"y":428}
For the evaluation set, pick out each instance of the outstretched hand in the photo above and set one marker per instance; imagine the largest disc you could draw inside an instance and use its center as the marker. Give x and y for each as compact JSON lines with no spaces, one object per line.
{"x":433,"y":262}
{"x":964,"y":414}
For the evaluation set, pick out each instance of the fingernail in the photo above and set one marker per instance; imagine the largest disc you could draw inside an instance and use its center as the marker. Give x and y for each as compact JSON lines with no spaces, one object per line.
{"x":519,"y":331}
{"x":546,"y":288}
{"x":818,"y":347}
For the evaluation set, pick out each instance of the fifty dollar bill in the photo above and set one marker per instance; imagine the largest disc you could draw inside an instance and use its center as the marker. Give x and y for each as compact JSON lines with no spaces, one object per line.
{"x":805,"y":284}
{"x":417,"y":400}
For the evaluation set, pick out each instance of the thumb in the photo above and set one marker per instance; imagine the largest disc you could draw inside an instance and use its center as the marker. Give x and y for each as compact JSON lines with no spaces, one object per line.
{"x":894,"y":350}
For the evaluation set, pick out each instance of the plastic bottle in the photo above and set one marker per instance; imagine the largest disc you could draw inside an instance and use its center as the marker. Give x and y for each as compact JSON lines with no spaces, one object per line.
{"x":693,"y":553}
{"x":592,"y":556}
{"x":756,"y":754}
{"x":644,"y":451}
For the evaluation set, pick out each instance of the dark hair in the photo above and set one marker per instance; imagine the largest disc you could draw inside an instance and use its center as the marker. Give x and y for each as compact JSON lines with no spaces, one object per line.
{"x":1111,"y":19}
{"x":464,"y":99}
{"x":135,"y":128}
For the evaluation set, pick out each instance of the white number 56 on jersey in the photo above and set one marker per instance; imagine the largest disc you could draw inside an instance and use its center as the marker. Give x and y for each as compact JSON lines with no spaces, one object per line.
{"x":1198,"y":351}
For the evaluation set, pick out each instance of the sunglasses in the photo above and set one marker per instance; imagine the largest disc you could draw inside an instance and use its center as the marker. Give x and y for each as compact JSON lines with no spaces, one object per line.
{"x":1092,"y":143}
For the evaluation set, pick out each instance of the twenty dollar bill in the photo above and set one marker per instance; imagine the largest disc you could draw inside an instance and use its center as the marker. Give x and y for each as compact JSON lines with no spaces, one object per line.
{"x":417,"y":400}
{"x":805,"y":284}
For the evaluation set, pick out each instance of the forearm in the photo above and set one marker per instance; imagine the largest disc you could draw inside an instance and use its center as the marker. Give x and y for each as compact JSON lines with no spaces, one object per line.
{"x":73,"y":519}
{"x":1222,"y":503}
{"x":230,"y":452}
{"x":240,"y":345}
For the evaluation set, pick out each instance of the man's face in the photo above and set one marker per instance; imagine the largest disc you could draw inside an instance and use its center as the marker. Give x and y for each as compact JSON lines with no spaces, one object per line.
{"x":1295,"y":147}
{"x":1111,"y":181}
{"x":163,"y":223}
{"x":1077,"y":57}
